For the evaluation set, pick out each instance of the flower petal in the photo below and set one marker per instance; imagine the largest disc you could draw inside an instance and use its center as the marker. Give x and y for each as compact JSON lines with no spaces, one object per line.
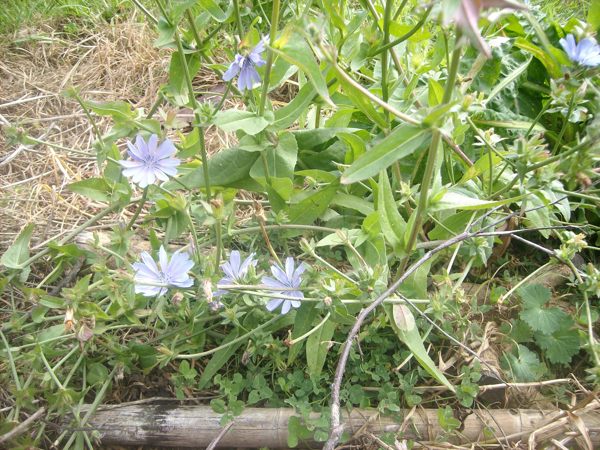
{"x":152,"y":144}
{"x":273,"y":304}
{"x":286,"y":307}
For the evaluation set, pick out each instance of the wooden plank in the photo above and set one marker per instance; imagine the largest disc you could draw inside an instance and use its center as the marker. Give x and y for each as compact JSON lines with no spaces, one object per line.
{"x":168,"y":425}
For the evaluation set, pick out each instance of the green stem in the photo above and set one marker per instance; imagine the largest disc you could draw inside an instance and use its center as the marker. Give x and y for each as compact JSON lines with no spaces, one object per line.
{"x":316,"y":328}
{"x":388,"y":45}
{"x":230,"y":343}
{"x":238,"y":19}
{"x":318,"y":116}
{"x":218,"y":236}
{"x":384,"y":59}
{"x":265,"y":163}
{"x":564,"y":125}
{"x":430,"y":165}
{"x":272,"y":36}
{"x":11,"y":362}
{"x":89,"y":116}
{"x":400,"y":8}
{"x":145,"y":11}
{"x":139,"y":208}
{"x":194,"y":105}
{"x":588,"y":313}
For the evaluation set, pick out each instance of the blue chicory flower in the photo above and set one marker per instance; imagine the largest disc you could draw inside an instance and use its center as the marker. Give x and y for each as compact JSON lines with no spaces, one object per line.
{"x":153,"y":279}
{"x":150,"y":161}
{"x":235,"y":270}
{"x":288,"y":278}
{"x":586,"y":52}
{"x":245,"y":66}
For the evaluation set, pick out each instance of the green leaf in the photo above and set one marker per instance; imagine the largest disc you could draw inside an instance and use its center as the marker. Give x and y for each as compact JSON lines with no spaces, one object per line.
{"x":480,"y":167}
{"x":305,"y":316}
{"x":178,"y":8}
{"x":95,"y":188}
{"x":293,"y":48}
{"x":359,"y":100}
{"x":286,"y":116}
{"x":593,"y":17}
{"x":213,"y":8}
{"x":560,"y":346}
{"x":435,"y":92}
{"x":455,"y":198}
{"x":177,"y":88}
{"x":234,"y":119}
{"x":353,"y":202}
{"x":120,"y":111}
{"x":534,"y":295}
{"x":297,"y":431}
{"x":280,"y":161}
{"x":544,"y":320}
{"x":166,"y":33}
{"x":403,"y":141}
{"x":547,"y":60}
{"x":18,"y":252}
{"x":392,"y":223}
{"x":537,"y":315}
{"x":525,"y":367}
{"x":312,"y":207}
{"x":226,"y":168}
{"x":219,"y":359}
{"x":97,"y":373}
{"x":404,"y":325}
{"x":317,"y":346}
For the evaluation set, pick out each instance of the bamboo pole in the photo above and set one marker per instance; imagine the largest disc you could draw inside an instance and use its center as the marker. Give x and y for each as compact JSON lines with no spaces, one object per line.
{"x":168,"y":425}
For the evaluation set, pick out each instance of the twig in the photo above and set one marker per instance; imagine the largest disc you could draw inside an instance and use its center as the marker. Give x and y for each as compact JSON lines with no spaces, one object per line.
{"x":22,"y":427}
{"x":219,"y":436}
{"x":491,"y":387}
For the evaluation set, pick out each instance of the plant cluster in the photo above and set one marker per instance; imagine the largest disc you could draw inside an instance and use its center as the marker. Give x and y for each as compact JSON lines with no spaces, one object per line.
{"x":396,"y":152}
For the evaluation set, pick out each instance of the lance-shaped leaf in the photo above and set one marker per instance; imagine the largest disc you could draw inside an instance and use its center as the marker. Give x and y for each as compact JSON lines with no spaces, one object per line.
{"x":403,"y":141}
{"x":403,"y":323}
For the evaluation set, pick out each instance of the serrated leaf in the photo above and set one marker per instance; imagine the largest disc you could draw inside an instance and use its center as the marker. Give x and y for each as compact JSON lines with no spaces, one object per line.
{"x":534,"y":295}
{"x":559,"y":347}
{"x":544,"y":320}
{"x":18,"y":252}
{"x":525,"y":366}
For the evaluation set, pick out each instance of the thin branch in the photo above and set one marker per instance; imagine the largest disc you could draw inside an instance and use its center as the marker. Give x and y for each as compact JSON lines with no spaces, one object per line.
{"x":22,"y":427}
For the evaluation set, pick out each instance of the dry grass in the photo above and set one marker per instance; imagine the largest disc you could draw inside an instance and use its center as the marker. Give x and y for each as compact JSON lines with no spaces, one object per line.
{"x":114,"y":62}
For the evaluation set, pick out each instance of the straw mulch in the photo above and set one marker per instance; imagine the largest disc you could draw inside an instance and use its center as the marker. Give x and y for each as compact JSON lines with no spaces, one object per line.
{"x":111,"y":62}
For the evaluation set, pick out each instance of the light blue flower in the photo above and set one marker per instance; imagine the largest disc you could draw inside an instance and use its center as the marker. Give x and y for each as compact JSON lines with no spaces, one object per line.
{"x":586,"y":52}
{"x":150,"y":161}
{"x":235,"y":270}
{"x":288,"y":278}
{"x":153,"y":279}
{"x":245,"y":66}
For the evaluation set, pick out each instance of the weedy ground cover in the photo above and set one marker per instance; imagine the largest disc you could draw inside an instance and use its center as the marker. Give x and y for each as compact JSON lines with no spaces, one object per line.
{"x":315,"y":205}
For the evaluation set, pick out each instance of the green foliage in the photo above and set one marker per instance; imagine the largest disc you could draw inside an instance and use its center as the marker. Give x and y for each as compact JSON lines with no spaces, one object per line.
{"x":352,"y":159}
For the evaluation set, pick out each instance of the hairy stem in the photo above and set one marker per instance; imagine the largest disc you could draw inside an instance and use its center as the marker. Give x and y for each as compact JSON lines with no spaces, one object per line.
{"x":269,"y":65}
{"x":138,"y":210}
